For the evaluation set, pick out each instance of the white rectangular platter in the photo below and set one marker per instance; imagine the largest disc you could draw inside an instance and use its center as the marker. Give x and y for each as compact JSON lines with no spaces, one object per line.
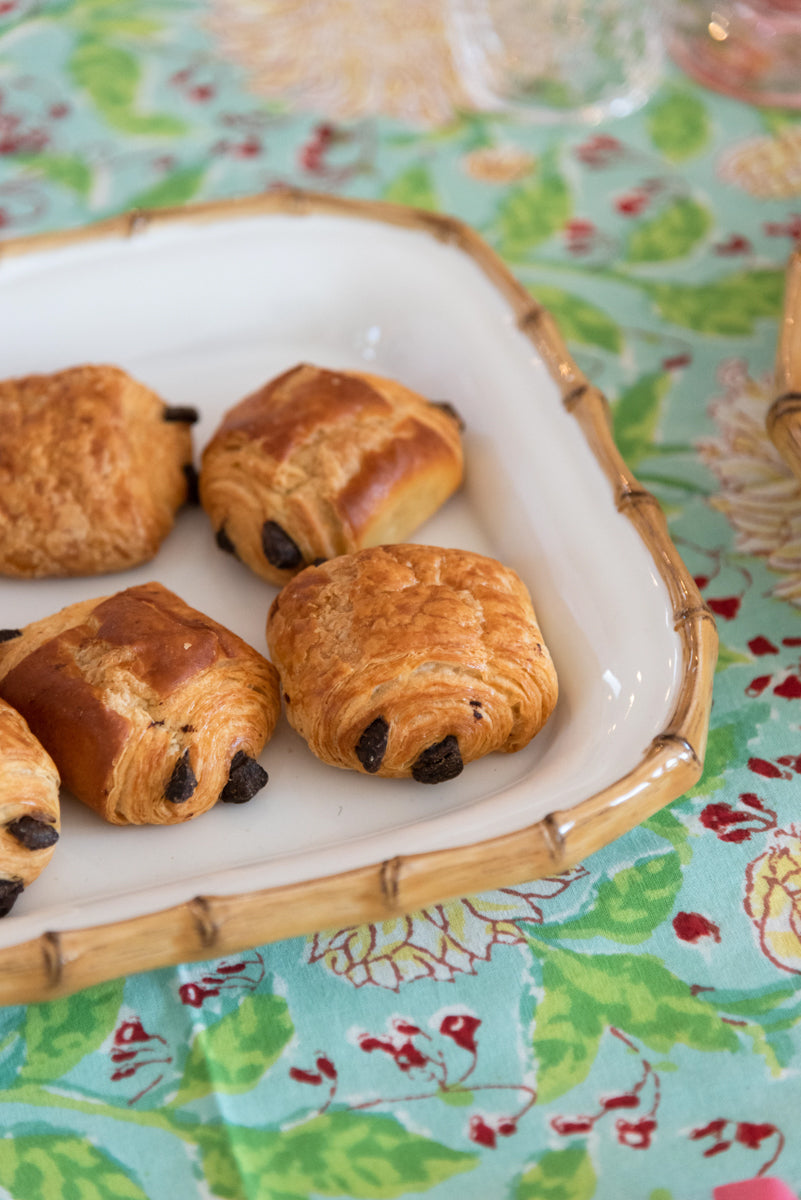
{"x":204,"y":305}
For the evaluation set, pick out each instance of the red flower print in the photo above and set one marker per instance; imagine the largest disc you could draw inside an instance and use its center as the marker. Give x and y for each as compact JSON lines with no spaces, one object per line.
{"x":398,"y":1045}
{"x":726,"y":1133}
{"x":633,"y":1133}
{"x":406,"y":1027}
{"x":228,"y":976}
{"x":791,"y":228}
{"x":368,"y":1043}
{"x":194,"y":995}
{"x":408,"y":1056}
{"x":481,"y":1133}
{"x":736,"y":243}
{"x":485,"y":1131}
{"x":726,"y":607}
{"x":600,"y":150}
{"x":312,"y":153}
{"x":673,"y":363}
{"x":327,"y":1067}
{"x":757,"y":686}
{"x":133,"y":1050}
{"x":301,"y":1076}
{"x":768,"y":770}
{"x":462,"y":1029}
{"x":692,"y":926}
{"x":133,"y":1031}
{"x":712,"y":1129}
{"x":761,"y":645}
{"x":636,"y":1134}
{"x":720,"y":818}
{"x":789,"y":688}
{"x":624,"y":1100}
{"x":753,"y":1135}
{"x":632,"y":204}
{"x":567,"y":1125}
{"x":325,"y":1071}
{"x":580,"y":235}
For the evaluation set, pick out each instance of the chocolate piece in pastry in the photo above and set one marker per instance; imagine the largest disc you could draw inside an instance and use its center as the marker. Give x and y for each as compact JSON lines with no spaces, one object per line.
{"x":151,"y":711}
{"x":93,"y":467}
{"x":319,"y":463}
{"x":409,"y":660}
{"x":29,"y":807}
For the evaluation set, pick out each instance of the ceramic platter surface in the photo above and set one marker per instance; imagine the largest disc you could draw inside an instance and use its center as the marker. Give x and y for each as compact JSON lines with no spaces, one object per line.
{"x":204,"y":305}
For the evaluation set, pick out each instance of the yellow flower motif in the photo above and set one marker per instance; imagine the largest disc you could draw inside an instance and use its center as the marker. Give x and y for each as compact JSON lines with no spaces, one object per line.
{"x":759,"y":493}
{"x":440,"y":942}
{"x":769,"y":167}
{"x":498,"y":164}
{"x":379,"y":57}
{"x":773,"y":902}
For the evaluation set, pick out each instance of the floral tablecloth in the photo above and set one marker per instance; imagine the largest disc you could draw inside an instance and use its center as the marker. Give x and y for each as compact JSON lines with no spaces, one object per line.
{"x":631,"y":1028}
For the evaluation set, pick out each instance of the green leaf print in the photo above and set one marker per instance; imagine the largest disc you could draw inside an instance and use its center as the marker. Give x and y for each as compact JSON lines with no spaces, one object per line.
{"x":586,"y":995}
{"x":359,"y":1155}
{"x":636,"y":414}
{"x":64,"y":169}
{"x":233,"y":1054}
{"x":115,"y":17}
{"x":580,"y":321}
{"x":671,"y":234}
{"x":559,"y":1175}
{"x":665,"y":825}
{"x":768,"y":1014}
{"x":59,"y":1165}
{"x":730,"y":307}
{"x":111,"y":76}
{"x":60,"y":1033}
{"x":12,"y":1048}
{"x":178,"y":187}
{"x":532,"y":212}
{"x":629,"y":906}
{"x":456,"y":1097}
{"x":729,"y":658}
{"x":415,"y":187}
{"x":678,"y":125}
{"x":724,"y":746}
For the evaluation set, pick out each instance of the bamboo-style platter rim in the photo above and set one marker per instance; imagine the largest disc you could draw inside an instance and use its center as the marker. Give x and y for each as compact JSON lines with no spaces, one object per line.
{"x":59,"y":963}
{"x":784,"y":415}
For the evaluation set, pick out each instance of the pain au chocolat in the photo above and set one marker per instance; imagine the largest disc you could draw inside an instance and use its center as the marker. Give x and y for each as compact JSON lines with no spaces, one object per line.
{"x":151,"y":711}
{"x":409,"y":660}
{"x":93,"y":468}
{"x":29,"y":807}
{"x":318,"y":463}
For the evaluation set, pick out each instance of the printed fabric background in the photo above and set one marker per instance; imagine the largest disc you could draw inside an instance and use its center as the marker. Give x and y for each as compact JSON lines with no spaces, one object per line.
{"x":636,"y":1019}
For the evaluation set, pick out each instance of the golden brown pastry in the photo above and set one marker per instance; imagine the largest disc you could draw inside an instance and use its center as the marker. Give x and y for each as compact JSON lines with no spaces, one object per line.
{"x":319,"y":463}
{"x":93,"y":467}
{"x":151,"y":711}
{"x":410,"y":660}
{"x":29,"y":807}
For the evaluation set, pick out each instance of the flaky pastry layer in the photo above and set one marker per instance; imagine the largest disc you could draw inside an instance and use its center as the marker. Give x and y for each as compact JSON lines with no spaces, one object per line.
{"x":93,"y":467}
{"x":29,"y":807}
{"x":410,"y":660}
{"x":151,"y":711}
{"x":318,"y":463}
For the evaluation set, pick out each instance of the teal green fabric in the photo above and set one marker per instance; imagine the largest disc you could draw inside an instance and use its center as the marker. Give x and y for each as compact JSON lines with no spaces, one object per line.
{"x":630,"y":1029}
